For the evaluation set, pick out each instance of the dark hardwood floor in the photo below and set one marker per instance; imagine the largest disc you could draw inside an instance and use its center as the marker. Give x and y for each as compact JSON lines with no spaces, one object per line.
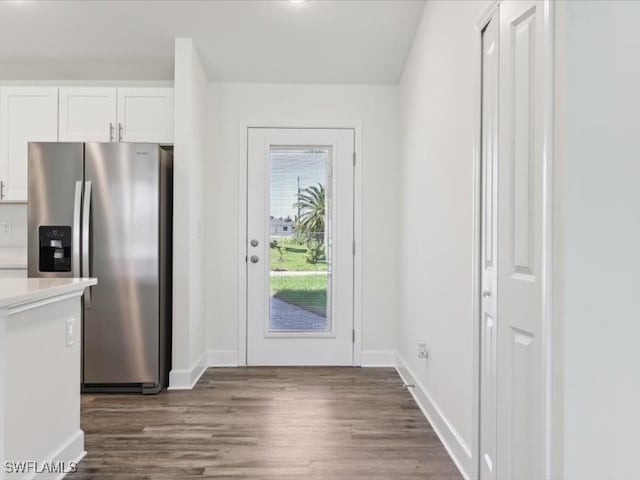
{"x":265,"y":423}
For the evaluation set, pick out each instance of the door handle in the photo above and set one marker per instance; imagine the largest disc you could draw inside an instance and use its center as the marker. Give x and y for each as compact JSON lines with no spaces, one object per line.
{"x":486,"y":294}
{"x":254,"y":243}
{"x":111,"y":131}
{"x":75,"y":246}
{"x":254,"y":259}
{"x":86,"y":254}
{"x":1,"y":189}
{"x":119,"y":131}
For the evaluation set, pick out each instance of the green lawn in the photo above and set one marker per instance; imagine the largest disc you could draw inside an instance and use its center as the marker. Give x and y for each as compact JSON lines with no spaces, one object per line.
{"x":308,"y":292}
{"x":291,"y":257}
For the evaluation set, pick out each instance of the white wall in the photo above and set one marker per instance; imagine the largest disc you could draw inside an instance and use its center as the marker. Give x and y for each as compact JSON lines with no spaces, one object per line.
{"x":597,"y":201}
{"x":438,"y":101}
{"x":188,"y":270}
{"x":16,"y":215}
{"x":377,"y":109}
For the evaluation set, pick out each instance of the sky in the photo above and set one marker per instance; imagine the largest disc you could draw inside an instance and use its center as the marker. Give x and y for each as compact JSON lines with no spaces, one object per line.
{"x":310,"y":165}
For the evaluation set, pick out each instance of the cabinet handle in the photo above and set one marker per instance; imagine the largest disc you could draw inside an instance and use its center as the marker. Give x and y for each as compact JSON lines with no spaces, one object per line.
{"x":119,"y":131}
{"x":2,"y":190}
{"x":110,"y":131}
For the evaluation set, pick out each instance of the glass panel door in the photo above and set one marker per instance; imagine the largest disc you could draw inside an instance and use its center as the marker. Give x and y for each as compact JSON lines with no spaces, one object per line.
{"x":299,"y":250}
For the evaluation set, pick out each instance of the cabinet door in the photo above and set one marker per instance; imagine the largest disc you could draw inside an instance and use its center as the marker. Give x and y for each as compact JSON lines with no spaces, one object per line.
{"x":27,"y":114}
{"x":145,"y":115}
{"x":87,"y":114}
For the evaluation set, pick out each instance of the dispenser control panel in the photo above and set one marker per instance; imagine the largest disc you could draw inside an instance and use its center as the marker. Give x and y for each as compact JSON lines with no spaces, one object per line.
{"x":55,"y":248}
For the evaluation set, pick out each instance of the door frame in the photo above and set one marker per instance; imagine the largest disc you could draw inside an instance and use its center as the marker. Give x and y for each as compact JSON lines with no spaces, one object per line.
{"x":243,"y":171}
{"x":478,"y":192}
{"x":476,"y":256}
{"x":551,"y":330}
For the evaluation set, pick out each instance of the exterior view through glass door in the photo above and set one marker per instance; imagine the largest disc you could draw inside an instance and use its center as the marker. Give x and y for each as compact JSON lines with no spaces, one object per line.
{"x":300,"y":246}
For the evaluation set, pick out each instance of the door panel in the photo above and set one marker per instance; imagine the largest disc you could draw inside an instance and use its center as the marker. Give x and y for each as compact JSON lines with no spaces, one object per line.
{"x":87,"y":114}
{"x":121,"y":319}
{"x":300,"y":281}
{"x":523,"y":431}
{"x":145,"y":115}
{"x":489,"y":247}
{"x":27,"y":114}
{"x":522,"y":189}
{"x":523,"y":96}
{"x":55,"y":173}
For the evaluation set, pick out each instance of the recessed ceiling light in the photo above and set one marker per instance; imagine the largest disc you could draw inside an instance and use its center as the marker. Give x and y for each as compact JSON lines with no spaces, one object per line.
{"x":297,"y":1}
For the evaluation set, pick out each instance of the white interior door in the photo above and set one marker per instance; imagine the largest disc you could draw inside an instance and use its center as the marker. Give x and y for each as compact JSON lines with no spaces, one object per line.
{"x":524,"y":94}
{"x":489,"y":250}
{"x":300,"y":231}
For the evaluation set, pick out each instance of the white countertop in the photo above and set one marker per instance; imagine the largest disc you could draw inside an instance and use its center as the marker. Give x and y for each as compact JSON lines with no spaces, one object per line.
{"x":13,"y":258}
{"x":17,"y":291}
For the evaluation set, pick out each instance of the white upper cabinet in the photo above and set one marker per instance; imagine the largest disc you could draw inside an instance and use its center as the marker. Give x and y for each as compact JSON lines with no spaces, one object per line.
{"x":88,"y":114}
{"x":82,"y":114}
{"x":145,"y":115}
{"x":95,"y":114}
{"x":27,"y":114}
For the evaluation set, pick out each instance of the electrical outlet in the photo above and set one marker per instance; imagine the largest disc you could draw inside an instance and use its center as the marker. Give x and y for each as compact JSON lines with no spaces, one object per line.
{"x":423,"y":352}
{"x":69,"y":337}
{"x":5,"y":229}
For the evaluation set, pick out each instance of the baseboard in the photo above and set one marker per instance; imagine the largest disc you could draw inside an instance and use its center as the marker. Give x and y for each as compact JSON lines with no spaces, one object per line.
{"x":378,"y":358}
{"x":222,"y":358}
{"x":70,"y":452}
{"x":187,"y":379}
{"x":455,"y":445}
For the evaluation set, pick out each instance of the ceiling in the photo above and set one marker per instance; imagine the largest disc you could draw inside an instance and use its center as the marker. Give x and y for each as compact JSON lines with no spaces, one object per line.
{"x":317,"y":41}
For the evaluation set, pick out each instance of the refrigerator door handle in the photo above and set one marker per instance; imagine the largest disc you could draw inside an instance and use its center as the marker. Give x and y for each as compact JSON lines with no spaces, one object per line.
{"x":75,"y":256}
{"x":86,"y":254}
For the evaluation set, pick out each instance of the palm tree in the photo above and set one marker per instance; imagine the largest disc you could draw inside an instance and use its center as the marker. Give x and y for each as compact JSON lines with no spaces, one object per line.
{"x":311,"y":204}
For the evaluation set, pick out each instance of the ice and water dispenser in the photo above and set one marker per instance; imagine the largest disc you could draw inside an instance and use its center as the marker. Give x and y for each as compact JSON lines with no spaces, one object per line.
{"x":55,"y":248}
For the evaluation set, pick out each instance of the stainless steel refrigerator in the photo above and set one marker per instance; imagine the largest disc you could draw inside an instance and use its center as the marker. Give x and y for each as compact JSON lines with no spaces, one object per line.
{"x":104,"y":210}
